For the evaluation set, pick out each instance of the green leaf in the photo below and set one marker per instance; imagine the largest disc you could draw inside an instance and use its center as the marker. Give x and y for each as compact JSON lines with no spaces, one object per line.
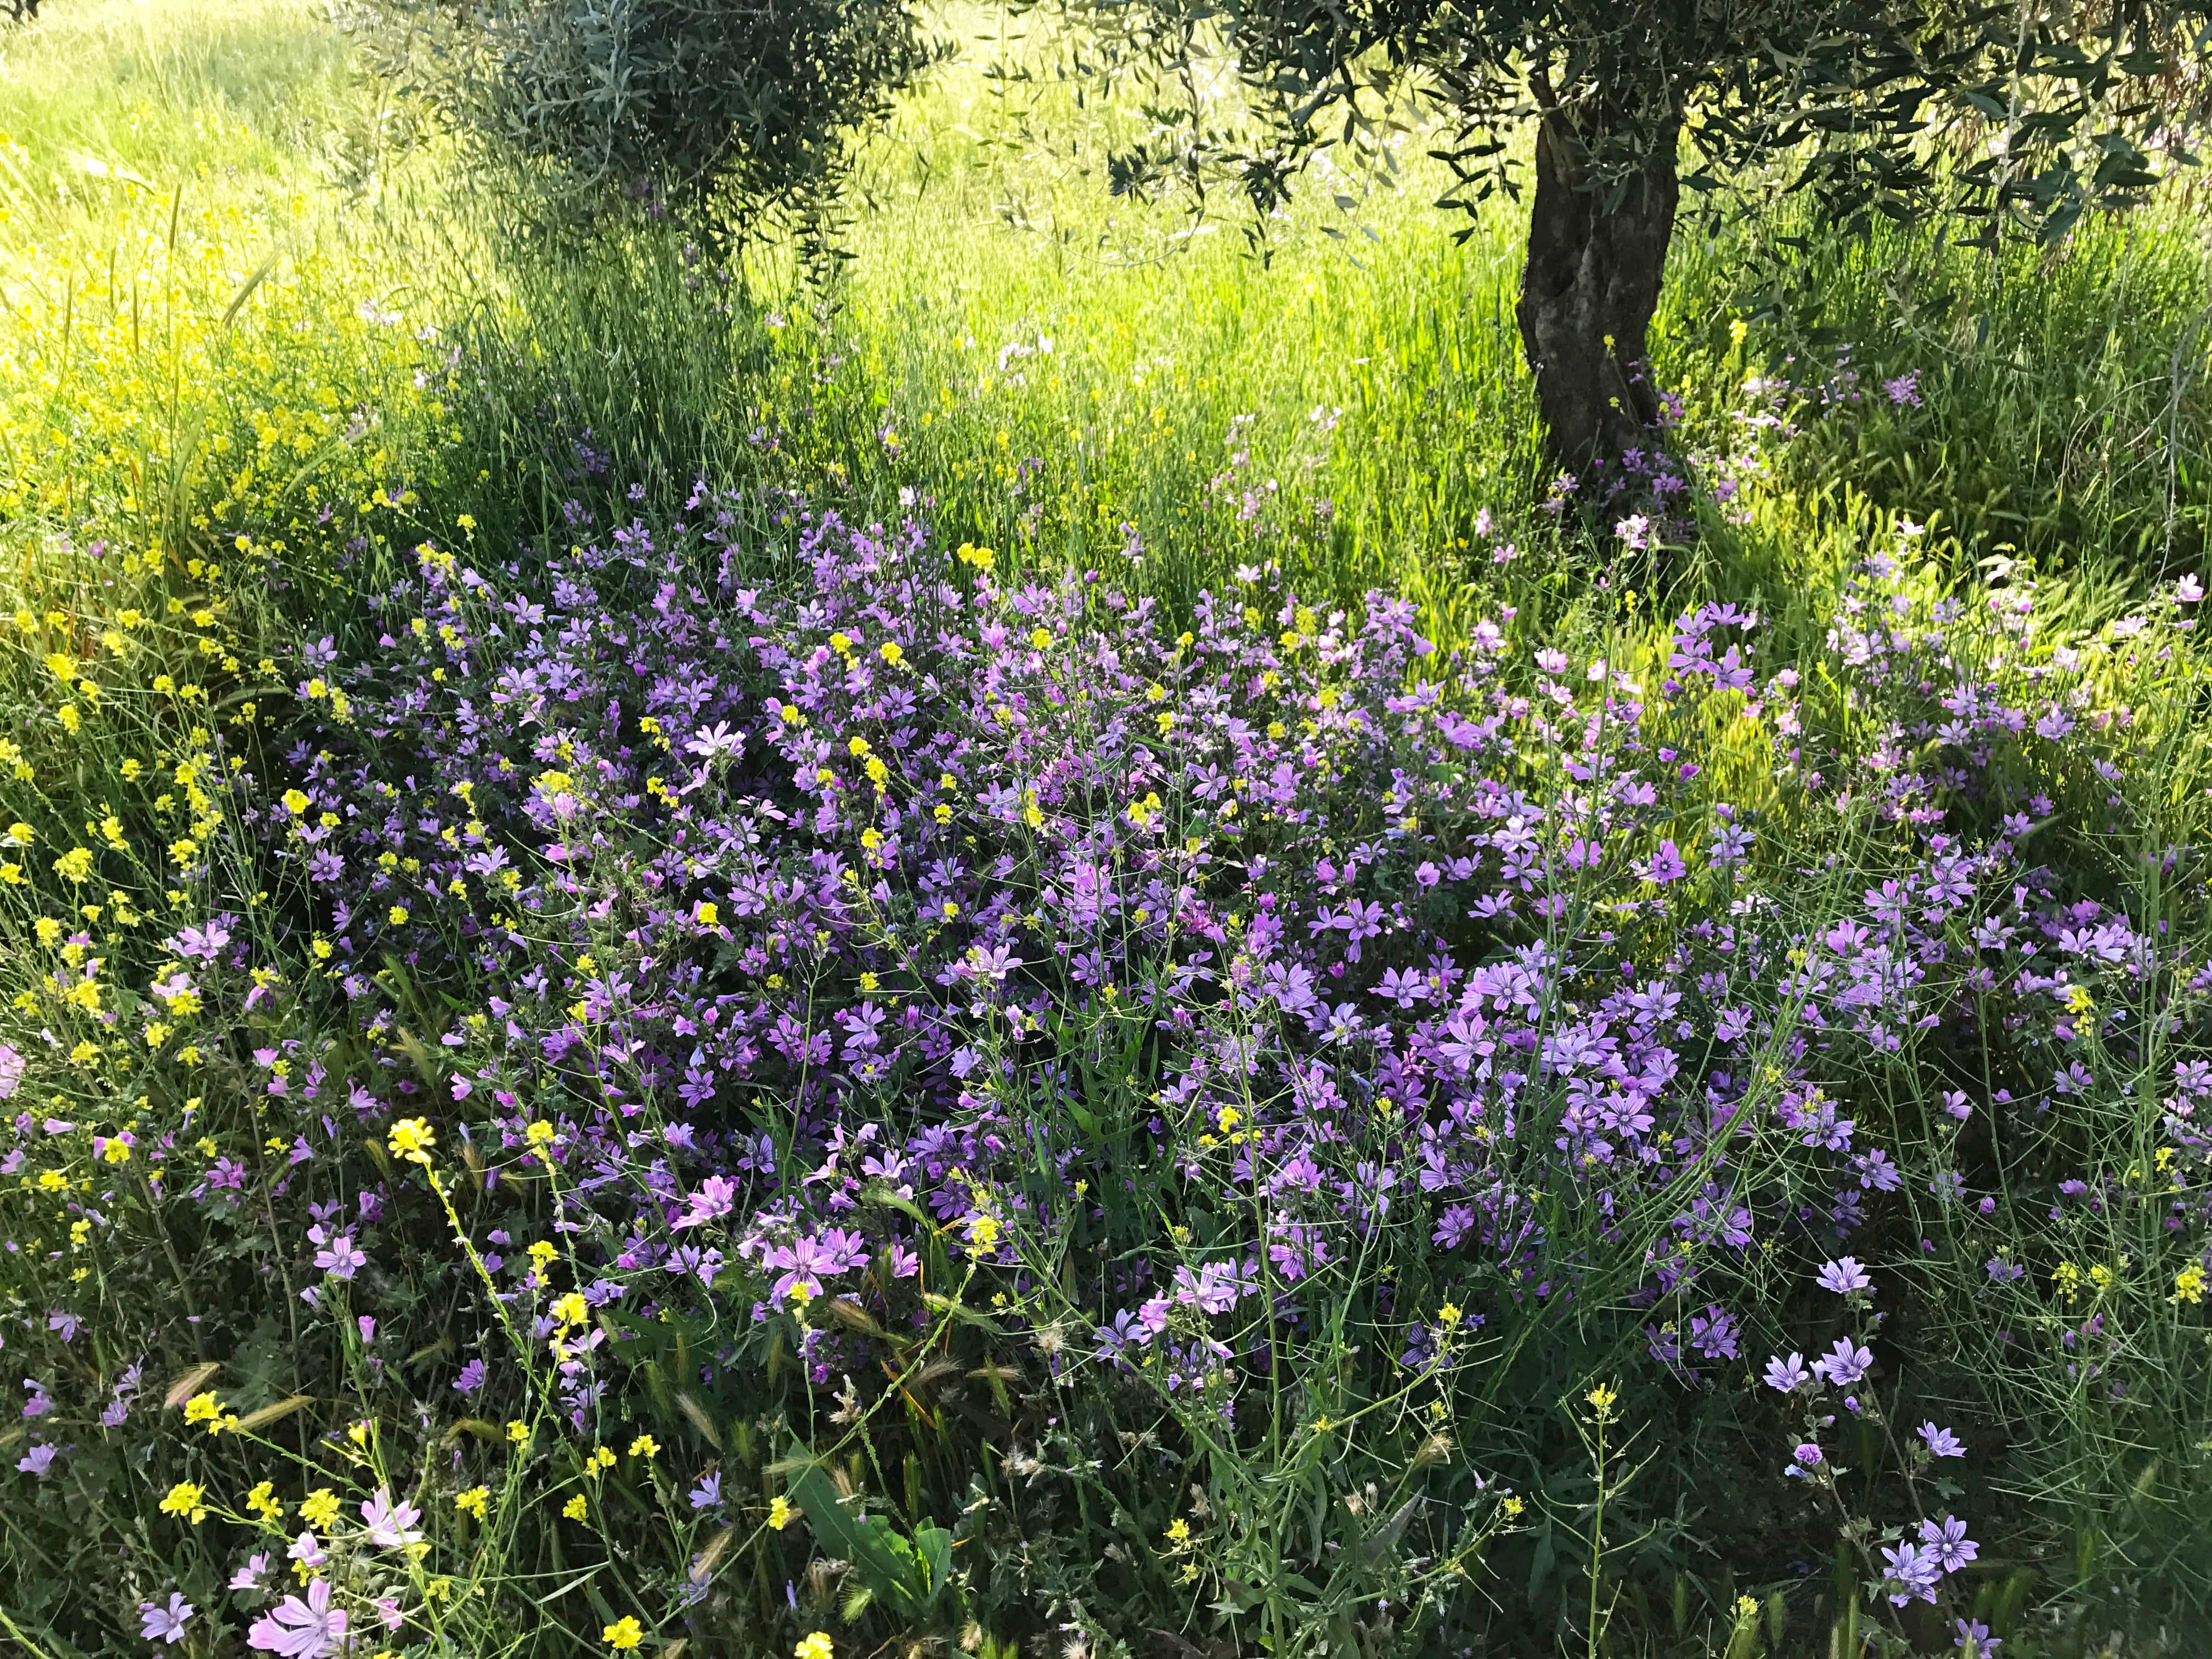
{"x":909,"y":1583}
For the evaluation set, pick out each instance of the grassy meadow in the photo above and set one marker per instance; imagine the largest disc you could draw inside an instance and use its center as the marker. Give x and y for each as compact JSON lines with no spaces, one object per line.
{"x":1025,"y":952}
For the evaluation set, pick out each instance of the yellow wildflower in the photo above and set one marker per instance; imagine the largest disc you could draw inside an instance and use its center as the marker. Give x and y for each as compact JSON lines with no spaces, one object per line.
{"x":184,"y":1500}
{"x":410,"y":1139}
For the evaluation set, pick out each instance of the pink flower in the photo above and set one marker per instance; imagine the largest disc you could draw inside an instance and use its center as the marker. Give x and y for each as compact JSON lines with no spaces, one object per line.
{"x":167,"y":1624}
{"x":298,"y":1629}
{"x":341,"y":1257}
{"x":390,"y":1524}
{"x":714,"y":1198}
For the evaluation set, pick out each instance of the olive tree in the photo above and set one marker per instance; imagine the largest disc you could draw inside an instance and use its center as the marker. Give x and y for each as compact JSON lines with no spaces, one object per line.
{"x":726,"y":112}
{"x":2025,"y":113}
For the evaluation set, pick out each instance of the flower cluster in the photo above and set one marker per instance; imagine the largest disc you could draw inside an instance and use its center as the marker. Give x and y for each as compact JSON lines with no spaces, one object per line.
{"x":791,"y":970}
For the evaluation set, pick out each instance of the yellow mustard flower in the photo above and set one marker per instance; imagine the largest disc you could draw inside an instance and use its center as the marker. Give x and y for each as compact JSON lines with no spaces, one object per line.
{"x":412,"y":1139}
{"x":184,"y":1500}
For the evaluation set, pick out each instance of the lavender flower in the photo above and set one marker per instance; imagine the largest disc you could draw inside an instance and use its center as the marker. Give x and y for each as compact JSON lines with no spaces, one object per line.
{"x":1788,"y":1376}
{"x":1845,"y":1277}
{"x":1941,"y":1443}
{"x":164,"y":1623}
{"x":391,"y":1525}
{"x":1948,"y":1541}
{"x":301,"y":1629}
{"x":339,"y":1258}
{"x":250,"y":1577}
{"x":1913,"y":1573}
{"x":1845,"y":1364}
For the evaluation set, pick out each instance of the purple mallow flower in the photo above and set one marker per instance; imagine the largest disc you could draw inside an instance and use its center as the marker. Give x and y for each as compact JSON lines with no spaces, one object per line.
{"x":1844,"y":1364}
{"x":164,"y":1623}
{"x":1845,"y":1277}
{"x":1788,"y":1376}
{"x":1948,"y":1540}
{"x":250,"y":1577}
{"x":338,"y":1257}
{"x":1941,"y":1443}
{"x":1913,"y":1573}
{"x":297,"y":1628}
{"x":1974,"y":1640}
{"x":391,"y":1525}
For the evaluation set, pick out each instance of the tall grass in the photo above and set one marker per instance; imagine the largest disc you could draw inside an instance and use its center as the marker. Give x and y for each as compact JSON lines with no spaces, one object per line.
{"x":1352,"y":386}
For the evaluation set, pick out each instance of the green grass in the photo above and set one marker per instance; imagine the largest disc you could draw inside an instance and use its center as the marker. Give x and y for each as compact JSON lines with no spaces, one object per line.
{"x":238,"y":98}
{"x":2065,"y":416}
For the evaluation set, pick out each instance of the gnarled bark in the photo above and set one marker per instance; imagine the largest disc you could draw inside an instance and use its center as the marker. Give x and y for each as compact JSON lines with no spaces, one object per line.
{"x":1597,"y":252}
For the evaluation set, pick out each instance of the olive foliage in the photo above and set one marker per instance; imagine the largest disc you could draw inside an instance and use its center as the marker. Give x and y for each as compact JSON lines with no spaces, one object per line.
{"x":730,"y":114}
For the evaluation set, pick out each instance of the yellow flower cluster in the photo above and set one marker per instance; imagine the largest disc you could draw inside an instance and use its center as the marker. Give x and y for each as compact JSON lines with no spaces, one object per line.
{"x":169,"y":371}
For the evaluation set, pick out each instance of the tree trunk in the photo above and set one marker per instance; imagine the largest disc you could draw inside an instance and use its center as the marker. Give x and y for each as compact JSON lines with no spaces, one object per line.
{"x":1597,"y":252}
